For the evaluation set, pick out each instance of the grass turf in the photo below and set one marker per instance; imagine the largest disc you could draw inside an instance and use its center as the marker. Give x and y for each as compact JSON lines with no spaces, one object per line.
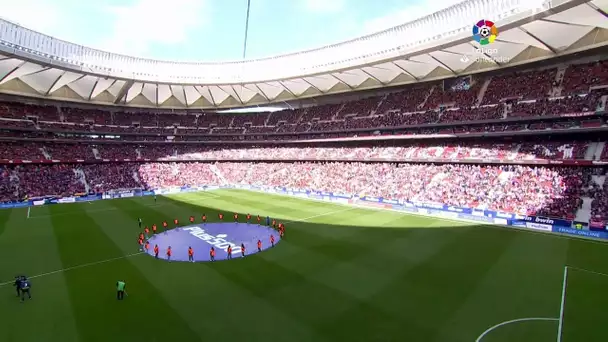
{"x":341,"y":274}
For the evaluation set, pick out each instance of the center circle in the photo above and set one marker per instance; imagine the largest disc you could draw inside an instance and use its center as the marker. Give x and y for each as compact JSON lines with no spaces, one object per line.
{"x":201,"y":237}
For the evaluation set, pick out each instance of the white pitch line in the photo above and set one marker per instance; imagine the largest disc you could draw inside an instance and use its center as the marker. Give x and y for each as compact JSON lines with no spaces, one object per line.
{"x":513,"y":321}
{"x":562,"y":305}
{"x":77,"y":267}
{"x":28,"y":212}
{"x":319,"y":215}
{"x":588,"y":271}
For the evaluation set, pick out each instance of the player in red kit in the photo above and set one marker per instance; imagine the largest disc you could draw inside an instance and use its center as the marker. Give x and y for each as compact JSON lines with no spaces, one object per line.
{"x":141,"y":244}
{"x":190,"y":254}
{"x":259,"y":219}
{"x":165,"y":225}
{"x":242,"y":249}
{"x":156,"y":251}
{"x":221,"y":216}
{"x":154,"y":228}
{"x":176,"y":222}
{"x":204,"y":218}
{"x":169,"y":252}
{"x":146,"y":232}
{"x":229,"y":251}
{"x":272,"y":240}
{"x":248,"y":218}
{"x":274,"y":223}
{"x":236,"y":217}
{"x":191,"y":219}
{"x":259,"y":245}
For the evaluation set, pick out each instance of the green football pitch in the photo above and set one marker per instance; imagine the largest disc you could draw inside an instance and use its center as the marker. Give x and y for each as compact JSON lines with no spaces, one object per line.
{"x":340,"y":274}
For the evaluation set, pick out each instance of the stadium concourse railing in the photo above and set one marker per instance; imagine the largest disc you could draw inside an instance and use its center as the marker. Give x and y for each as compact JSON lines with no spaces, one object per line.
{"x":476,"y":215}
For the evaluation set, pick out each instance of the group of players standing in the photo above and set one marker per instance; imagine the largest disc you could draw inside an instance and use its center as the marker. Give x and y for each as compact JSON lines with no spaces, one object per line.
{"x":23,"y":285}
{"x":144,"y":244}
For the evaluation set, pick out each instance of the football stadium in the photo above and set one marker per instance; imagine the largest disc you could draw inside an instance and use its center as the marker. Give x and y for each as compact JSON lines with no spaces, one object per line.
{"x":440,"y":180}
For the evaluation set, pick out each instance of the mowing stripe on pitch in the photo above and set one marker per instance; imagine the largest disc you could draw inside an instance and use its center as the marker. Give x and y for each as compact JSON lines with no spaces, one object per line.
{"x":139,"y":253}
{"x":92,"y":211}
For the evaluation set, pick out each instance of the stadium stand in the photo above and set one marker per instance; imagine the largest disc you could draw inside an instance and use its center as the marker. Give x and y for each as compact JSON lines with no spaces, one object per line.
{"x":553,"y":192}
{"x":78,"y":140}
{"x":528,"y":151}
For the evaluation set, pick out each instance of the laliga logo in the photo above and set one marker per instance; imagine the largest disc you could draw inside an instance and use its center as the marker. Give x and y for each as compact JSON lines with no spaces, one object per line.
{"x":485,"y":32}
{"x":217,"y":241}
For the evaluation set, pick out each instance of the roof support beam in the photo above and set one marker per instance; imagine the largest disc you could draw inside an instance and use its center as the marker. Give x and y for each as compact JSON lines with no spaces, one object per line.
{"x":211,"y":95}
{"x":545,"y":45}
{"x":340,"y":80}
{"x":287,"y":89}
{"x":185,"y":97}
{"x":312,"y":85}
{"x":156,"y":95}
{"x":90,"y":93}
{"x":372,"y":76}
{"x":37,"y":72}
{"x":10,"y":72}
{"x":236,"y":94}
{"x":261,"y":92}
{"x":123,"y":91}
{"x":93,"y":90}
{"x":486,"y":55}
{"x":48,"y":91}
{"x":405,"y":71}
{"x":599,"y":10}
{"x":442,"y":64}
{"x":560,"y":22}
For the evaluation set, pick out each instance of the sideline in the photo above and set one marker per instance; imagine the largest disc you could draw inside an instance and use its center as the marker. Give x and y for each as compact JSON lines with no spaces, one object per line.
{"x":77,"y":267}
{"x":562,"y":305}
{"x":513,"y":321}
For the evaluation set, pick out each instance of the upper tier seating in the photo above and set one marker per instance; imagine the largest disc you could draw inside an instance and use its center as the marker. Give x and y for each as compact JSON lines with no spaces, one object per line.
{"x":416,"y":105}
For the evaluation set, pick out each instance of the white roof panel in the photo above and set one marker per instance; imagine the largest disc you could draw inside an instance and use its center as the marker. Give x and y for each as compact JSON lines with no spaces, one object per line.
{"x":558,"y":31}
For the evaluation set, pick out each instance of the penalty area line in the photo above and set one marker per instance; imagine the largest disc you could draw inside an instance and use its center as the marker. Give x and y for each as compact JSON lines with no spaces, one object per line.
{"x":76,"y":267}
{"x":513,"y":321}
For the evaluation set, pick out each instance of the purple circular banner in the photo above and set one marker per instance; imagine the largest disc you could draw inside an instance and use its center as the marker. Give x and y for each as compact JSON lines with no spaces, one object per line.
{"x":201,"y":237}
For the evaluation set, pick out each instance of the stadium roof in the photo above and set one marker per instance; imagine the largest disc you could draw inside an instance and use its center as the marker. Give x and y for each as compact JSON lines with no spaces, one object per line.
{"x":434,"y":47}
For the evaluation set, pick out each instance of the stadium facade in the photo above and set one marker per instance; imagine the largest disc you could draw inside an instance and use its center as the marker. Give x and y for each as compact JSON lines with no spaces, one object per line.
{"x":435,"y":47}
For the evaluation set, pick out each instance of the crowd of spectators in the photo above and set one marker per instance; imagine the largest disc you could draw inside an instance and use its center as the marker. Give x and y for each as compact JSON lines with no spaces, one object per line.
{"x":156,"y":175}
{"x":102,"y":178}
{"x":525,"y":85}
{"x":579,"y":78}
{"x":570,"y":150}
{"x":554,"y":192}
{"x":599,"y":204}
{"x":47,"y":180}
